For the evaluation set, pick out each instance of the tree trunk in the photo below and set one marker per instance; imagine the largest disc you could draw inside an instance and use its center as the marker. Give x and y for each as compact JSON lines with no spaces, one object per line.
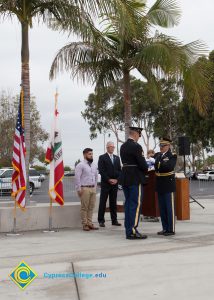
{"x":127,"y":101}
{"x":25,"y":80}
{"x":203,"y":156}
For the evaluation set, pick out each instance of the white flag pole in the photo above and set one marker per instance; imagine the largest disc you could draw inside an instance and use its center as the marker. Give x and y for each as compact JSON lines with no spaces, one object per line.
{"x":50,"y":229}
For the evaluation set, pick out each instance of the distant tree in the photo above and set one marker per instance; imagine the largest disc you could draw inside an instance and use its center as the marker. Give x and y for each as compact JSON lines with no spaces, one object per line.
{"x":104,"y":111}
{"x":144,"y":107}
{"x":105,"y":108}
{"x":200,"y":127}
{"x":76,"y":162}
{"x":8,"y":117}
{"x":67,"y":168}
{"x":39,"y":168}
{"x":166,"y":112}
{"x":210,"y":161}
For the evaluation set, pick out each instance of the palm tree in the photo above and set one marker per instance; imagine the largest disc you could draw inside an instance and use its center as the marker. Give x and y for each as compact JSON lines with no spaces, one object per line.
{"x":128,"y":43}
{"x":60,"y":14}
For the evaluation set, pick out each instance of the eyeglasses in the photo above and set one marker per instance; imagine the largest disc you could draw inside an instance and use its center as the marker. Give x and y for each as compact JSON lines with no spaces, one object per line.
{"x":163,"y":145}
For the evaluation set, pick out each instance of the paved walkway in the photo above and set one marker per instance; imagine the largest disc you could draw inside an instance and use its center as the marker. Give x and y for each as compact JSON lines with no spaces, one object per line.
{"x":160,"y":268}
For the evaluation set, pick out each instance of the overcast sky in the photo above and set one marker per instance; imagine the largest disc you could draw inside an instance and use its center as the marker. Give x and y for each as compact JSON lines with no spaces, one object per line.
{"x":197,"y":22}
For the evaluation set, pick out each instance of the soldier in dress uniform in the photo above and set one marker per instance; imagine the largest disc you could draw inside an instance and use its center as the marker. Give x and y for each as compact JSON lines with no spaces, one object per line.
{"x":165,"y":162}
{"x":132,"y":179}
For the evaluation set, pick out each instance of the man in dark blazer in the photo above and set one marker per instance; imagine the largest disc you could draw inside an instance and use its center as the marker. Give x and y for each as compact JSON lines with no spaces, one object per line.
{"x":109,"y":168}
{"x":132,"y":180}
{"x":165,"y":162}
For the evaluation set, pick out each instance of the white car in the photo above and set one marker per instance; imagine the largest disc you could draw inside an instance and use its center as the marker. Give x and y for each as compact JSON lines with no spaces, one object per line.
{"x":206,"y":175}
{"x":42,"y":176}
{"x":35,"y":178}
{"x":6,"y":180}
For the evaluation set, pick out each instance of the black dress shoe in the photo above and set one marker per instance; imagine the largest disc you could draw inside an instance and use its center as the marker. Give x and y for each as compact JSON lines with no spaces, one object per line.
{"x":168,"y":233}
{"x":161,"y":232}
{"x":116,"y":223}
{"x":141,"y":236}
{"x":136,"y":236}
{"x":102,"y":224}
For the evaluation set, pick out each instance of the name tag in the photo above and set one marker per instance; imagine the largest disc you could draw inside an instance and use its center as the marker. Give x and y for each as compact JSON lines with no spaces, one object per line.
{"x":166,"y":159}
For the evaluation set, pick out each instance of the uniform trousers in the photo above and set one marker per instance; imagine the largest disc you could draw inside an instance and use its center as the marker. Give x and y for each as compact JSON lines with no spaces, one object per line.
{"x":133,"y":199}
{"x":167,"y":211}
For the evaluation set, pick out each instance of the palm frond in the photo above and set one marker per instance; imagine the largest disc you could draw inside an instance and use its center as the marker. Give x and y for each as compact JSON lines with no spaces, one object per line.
{"x":85,"y":62}
{"x":127,"y":20}
{"x":194,"y":50}
{"x":164,"y":13}
{"x":95,"y":7}
{"x":9,"y":8}
{"x":153,"y":83}
{"x":69,"y":56}
{"x":196,"y":87}
{"x":76,"y":21}
{"x":101,"y":73}
{"x":167,"y":54}
{"x":162,"y":53}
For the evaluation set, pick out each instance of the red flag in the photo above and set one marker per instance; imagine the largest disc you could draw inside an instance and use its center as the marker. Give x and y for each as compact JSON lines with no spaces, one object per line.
{"x":55,"y":159}
{"x":18,"y":160}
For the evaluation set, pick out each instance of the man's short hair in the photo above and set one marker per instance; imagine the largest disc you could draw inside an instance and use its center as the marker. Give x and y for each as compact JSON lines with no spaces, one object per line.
{"x":109,"y":143}
{"x":86,"y":150}
{"x":150,"y":151}
{"x":135,"y":129}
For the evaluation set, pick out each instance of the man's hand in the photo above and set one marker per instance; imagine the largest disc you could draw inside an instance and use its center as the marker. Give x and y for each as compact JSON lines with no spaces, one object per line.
{"x":80,"y":193}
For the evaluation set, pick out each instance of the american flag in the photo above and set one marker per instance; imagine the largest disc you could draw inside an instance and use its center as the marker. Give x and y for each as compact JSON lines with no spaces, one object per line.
{"x":18,"y":161}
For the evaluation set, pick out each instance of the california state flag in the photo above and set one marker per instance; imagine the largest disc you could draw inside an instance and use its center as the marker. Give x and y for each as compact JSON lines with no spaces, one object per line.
{"x":55,"y":159}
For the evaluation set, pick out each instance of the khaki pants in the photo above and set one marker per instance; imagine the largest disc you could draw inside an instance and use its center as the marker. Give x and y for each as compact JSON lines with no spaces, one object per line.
{"x":88,"y":199}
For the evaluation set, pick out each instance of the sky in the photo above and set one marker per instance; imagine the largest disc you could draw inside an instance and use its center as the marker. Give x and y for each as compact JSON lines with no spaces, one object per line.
{"x":197,"y":22}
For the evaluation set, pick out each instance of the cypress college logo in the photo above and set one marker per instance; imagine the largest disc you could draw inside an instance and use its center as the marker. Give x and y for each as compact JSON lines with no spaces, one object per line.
{"x":23,"y":275}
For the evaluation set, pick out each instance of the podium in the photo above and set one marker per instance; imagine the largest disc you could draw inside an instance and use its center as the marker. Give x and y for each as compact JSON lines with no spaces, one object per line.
{"x":182,"y":199}
{"x":150,"y":198}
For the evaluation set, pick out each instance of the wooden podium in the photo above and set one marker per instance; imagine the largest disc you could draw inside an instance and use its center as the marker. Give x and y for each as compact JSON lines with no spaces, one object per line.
{"x":150,"y":198}
{"x":182,"y":199}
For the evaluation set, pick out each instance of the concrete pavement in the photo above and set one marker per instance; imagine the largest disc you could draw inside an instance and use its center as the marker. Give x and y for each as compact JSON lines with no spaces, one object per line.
{"x":160,"y":268}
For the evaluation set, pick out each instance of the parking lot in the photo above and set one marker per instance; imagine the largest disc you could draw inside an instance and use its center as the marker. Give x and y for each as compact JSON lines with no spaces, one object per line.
{"x":198,"y":189}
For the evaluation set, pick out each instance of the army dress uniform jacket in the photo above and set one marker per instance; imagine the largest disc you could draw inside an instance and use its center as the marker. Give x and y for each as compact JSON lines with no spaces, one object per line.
{"x":134,"y":164}
{"x":164,"y":169}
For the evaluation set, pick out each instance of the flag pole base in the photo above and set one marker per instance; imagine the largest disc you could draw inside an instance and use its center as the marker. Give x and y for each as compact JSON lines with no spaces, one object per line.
{"x":13,"y":234}
{"x":50,"y":231}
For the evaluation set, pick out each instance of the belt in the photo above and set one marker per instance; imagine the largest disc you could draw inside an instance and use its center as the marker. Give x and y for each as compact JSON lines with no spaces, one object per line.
{"x":90,"y":186}
{"x":124,"y":166}
{"x":165,"y":174}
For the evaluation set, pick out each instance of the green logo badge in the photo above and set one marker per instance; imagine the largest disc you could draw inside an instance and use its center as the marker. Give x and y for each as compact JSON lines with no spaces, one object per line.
{"x":23,"y":275}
